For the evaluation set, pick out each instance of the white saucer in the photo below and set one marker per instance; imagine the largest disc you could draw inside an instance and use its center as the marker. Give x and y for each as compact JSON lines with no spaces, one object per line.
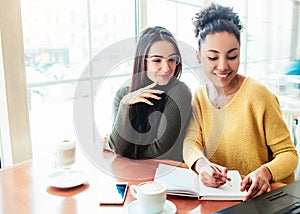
{"x":169,"y":208}
{"x":59,"y":180}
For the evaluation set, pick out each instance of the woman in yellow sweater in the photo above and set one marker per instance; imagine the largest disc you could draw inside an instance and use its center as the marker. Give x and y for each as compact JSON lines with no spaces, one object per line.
{"x":236,"y":122}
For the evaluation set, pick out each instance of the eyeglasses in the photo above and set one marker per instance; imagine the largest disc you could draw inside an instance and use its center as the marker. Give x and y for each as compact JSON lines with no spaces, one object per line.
{"x":159,"y":61}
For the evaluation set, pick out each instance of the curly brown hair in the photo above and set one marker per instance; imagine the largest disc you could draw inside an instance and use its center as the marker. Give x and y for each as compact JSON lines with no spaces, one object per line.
{"x":215,"y":19}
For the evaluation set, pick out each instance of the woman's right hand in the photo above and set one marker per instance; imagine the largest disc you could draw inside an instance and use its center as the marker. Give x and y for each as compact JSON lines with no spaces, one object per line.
{"x":210,"y":177}
{"x":142,"y":95}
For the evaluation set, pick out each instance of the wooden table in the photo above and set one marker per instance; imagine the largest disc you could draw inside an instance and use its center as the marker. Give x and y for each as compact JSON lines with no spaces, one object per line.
{"x":25,"y":188}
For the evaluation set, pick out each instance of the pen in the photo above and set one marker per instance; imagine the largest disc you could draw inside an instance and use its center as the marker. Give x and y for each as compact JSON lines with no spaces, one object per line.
{"x":212,"y":166}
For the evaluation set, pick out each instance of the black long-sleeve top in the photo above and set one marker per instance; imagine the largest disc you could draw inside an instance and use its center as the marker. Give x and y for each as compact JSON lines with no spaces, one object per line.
{"x":145,"y":131}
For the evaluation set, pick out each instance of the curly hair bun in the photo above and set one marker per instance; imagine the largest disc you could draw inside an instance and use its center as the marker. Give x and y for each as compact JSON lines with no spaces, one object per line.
{"x":212,"y":13}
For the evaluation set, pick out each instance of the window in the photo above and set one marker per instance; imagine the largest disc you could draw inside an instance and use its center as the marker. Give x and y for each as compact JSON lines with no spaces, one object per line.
{"x":62,"y":37}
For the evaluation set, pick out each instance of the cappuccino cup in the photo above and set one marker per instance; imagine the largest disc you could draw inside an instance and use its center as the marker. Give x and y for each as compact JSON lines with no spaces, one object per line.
{"x":151,"y":196}
{"x":65,"y":154}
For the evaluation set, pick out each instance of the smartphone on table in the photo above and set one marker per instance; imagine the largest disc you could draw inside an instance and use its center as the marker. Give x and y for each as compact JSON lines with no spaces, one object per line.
{"x":114,"y":193}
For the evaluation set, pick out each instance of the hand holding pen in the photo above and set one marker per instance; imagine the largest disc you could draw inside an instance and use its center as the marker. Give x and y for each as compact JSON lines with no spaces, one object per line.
{"x":211,"y":174}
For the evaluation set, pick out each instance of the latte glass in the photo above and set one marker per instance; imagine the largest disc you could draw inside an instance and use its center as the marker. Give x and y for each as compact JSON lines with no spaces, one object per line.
{"x":65,"y":155}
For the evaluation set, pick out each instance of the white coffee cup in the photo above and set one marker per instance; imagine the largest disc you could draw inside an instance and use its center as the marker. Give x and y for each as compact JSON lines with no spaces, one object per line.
{"x":151,"y":196}
{"x":65,"y":154}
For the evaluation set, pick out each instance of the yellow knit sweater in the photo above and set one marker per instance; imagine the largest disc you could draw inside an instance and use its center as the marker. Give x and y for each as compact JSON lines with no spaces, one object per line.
{"x":247,"y":133}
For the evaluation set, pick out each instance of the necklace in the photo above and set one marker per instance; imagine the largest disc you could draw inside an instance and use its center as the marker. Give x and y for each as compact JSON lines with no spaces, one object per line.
{"x":221,"y":100}
{"x":216,"y":104}
{"x":218,"y":107}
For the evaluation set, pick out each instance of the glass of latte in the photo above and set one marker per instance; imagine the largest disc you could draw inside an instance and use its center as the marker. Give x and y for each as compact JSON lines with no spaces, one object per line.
{"x":65,"y":155}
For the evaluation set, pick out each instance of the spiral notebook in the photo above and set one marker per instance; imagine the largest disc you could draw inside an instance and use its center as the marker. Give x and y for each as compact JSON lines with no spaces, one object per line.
{"x":185,"y":182}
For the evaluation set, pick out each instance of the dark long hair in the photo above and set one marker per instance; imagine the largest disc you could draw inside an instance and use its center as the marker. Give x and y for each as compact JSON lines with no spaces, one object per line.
{"x":146,"y":39}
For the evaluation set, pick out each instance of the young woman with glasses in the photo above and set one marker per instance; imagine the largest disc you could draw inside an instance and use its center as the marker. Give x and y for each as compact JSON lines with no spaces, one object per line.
{"x":151,"y":114}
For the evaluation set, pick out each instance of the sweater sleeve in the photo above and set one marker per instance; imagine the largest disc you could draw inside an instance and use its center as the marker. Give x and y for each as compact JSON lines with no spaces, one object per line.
{"x":284,"y":158}
{"x":125,"y":141}
{"x":193,"y":137}
{"x":117,"y":101}
{"x":116,"y":141}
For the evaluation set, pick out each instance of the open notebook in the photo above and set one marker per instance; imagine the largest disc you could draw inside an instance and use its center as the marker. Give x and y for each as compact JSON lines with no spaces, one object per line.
{"x":185,"y":182}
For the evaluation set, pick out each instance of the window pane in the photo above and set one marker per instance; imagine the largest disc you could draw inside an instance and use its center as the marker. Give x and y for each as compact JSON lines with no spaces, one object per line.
{"x":269,"y":39}
{"x":60,"y":38}
{"x":179,"y":21}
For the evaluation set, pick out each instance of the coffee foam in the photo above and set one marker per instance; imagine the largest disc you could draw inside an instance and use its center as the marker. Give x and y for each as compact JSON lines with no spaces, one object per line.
{"x":151,"y":187}
{"x":66,"y":144}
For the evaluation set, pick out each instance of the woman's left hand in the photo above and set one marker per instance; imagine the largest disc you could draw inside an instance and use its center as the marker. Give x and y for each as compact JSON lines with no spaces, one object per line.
{"x":106,"y":146}
{"x":257,"y":182}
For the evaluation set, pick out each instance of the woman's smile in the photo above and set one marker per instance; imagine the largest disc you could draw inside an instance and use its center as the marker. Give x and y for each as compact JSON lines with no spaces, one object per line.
{"x":222,"y":76}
